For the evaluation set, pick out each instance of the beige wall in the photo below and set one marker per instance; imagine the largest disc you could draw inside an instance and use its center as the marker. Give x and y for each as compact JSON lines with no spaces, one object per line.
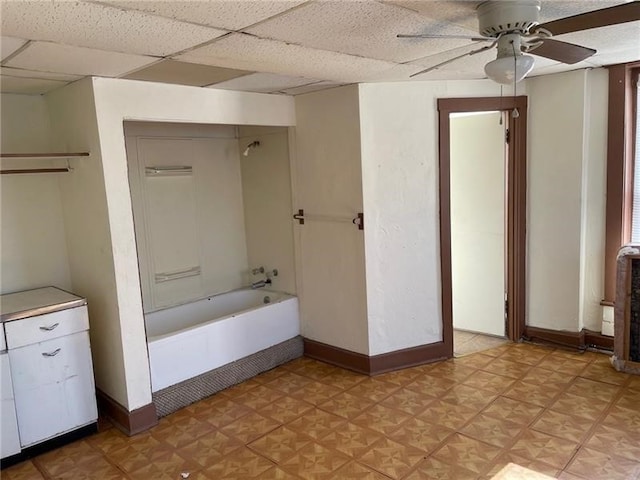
{"x":566,"y":192}
{"x":33,"y":249}
{"x":266,"y":189}
{"x":328,"y":182}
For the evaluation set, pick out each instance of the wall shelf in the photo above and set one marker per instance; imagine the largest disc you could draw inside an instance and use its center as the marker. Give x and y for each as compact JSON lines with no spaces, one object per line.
{"x":40,"y":156}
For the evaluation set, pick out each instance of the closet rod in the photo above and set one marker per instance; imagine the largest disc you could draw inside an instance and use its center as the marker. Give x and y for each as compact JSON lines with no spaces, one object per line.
{"x":35,"y":170}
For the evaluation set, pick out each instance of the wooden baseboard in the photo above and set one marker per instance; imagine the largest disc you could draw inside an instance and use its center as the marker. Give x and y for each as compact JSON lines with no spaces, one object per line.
{"x":376,"y":364}
{"x":578,"y":340}
{"x":131,"y":423}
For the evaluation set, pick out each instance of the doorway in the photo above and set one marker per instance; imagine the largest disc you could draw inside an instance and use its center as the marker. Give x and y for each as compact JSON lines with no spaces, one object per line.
{"x":490,"y":247}
{"x":478,"y":166}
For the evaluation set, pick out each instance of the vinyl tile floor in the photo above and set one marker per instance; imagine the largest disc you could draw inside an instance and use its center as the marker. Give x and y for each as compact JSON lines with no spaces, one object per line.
{"x":465,"y":342}
{"x":564,"y":414}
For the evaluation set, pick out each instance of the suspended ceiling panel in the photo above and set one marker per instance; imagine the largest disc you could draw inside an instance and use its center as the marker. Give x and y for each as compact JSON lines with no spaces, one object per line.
{"x":10,"y":45}
{"x":264,"y":83}
{"x":314,"y":87}
{"x":231,"y":15}
{"x":246,"y":52}
{"x":172,"y":71}
{"x":363,"y":28}
{"x":93,"y":25}
{"x":18,"y":72}
{"x":52,"y":57}
{"x":31,"y":86}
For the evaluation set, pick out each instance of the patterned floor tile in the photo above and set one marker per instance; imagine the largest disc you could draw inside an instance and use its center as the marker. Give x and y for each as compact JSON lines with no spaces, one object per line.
{"x":468,"y":396}
{"x":139,"y":454}
{"x":490,"y":382}
{"x":285,"y":409}
{"x":467,"y":453}
{"x":434,"y":469}
{"x":317,"y":423}
{"x":241,"y":464}
{"x":508,"y":457}
{"x":315,"y":462}
{"x":474,"y":360}
{"x":276,"y":473}
{"x":592,"y":464}
{"x":182,"y":433}
{"x":541,"y":395}
{"x":560,"y":363}
{"x":312,"y":368}
{"x":167,"y":466}
{"x":280,"y":444}
{"x":249,"y":427}
{"x":563,"y":425}
{"x":420,"y":434}
{"x":401,"y":377}
{"x":219,"y":412}
{"x":316,"y":392}
{"x":392,"y":458}
{"x":528,"y":356}
{"x":289,"y":383}
{"x":344,"y":379}
{"x":407,"y":401}
{"x":381,"y":418}
{"x":625,"y":442}
{"x":604,"y":373}
{"x":513,"y":410}
{"x":540,"y":376}
{"x":259,"y":397}
{"x":22,"y":471}
{"x":634,"y":383}
{"x":579,"y":406}
{"x":210,"y":448}
{"x":447,"y":414}
{"x":351,"y":439}
{"x":452,"y":370}
{"x":357,"y":471}
{"x":346,"y":405}
{"x":495,"y":431}
{"x":431,"y":386}
{"x":507,"y":368}
{"x":593,"y":390}
{"x":544,"y":448}
{"x":373,"y":389}
{"x":69,"y":458}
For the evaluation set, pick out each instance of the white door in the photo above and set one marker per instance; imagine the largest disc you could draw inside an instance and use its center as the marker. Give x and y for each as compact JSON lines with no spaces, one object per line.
{"x":478,"y":159}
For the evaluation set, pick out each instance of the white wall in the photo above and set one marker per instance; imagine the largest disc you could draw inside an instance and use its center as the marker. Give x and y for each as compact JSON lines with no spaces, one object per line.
{"x":33,"y":249}
{"x":328,"y":182}
{"x":88,"y":235}
{"x":477,"y":153}
{"x":187,"y":221}
{"x":118,"y":100}
{"x":399,"y":132}
{"x":266,"y":189}
{"x":566,"y":188}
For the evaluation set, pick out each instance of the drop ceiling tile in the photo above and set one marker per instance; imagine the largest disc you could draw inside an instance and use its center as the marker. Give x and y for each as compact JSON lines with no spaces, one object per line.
{"x":31,"y":86}
{"x":18,"y":72}
{"x":55,"y":58}
{"x":314,"y":87}
{"x":247,"y":52}
{"x":608,"y":40}
{"x":263,"y":83}
{"x":182,"y":73}
{"x":92,"y":25}
{"x":232,"y":15}
{"x":8,"y":45}
{"x":360,"y":27}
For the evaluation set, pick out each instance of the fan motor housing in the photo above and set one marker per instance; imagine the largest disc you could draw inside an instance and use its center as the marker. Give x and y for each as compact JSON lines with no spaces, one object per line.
{"x":496,"y":17}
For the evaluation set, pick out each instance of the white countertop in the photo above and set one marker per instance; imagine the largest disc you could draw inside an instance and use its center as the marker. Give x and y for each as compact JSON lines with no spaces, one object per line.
{"x":39,"y":301}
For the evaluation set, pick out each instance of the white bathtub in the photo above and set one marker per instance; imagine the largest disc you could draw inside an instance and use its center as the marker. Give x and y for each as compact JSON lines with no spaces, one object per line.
{"x":191,"y":339}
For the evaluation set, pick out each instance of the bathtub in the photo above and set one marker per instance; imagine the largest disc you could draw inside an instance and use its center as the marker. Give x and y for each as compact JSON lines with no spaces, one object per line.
{"x":191,"y":339}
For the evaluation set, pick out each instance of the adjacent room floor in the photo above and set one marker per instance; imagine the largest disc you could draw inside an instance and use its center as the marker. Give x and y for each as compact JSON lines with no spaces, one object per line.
{"x":465,"y":343}
{"x":565,"y":414}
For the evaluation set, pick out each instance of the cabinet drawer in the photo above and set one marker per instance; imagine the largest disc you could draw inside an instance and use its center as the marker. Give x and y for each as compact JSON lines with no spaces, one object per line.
{"x":53,"y":387}
{"x":46,"y":327}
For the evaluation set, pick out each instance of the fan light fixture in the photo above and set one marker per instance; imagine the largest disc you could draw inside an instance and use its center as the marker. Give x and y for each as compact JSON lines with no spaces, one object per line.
{"x":511,"y":66}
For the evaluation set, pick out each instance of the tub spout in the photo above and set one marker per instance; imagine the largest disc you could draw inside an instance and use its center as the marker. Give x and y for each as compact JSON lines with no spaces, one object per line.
{"x":261,"y":283}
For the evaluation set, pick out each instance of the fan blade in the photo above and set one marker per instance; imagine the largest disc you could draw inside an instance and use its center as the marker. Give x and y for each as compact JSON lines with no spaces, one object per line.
{"x":468,"y":54}
{"x":627,"y":12}
{"x":463,"y":37}
{"x":562,"y":51}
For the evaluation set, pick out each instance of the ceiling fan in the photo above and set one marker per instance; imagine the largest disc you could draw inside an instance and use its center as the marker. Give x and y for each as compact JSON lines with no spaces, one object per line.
{"x":512,"y":26}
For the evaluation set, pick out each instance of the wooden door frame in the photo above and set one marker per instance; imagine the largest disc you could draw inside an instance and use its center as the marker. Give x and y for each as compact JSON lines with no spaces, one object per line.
{"x":516,"y":208}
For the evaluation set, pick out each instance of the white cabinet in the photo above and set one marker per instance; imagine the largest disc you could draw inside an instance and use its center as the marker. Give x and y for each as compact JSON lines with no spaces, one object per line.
{"x":51,"y":372}
{"x":9,"y":439}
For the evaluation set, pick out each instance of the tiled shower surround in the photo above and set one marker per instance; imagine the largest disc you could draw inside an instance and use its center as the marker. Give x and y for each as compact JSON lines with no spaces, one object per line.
{"x":565,"y":414}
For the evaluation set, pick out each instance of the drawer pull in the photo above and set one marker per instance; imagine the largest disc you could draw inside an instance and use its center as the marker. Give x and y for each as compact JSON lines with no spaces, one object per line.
{"x":50,"y":327}
{"x":51,"y":354}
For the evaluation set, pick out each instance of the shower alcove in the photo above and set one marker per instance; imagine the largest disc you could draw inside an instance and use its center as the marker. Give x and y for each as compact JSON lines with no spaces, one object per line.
{"x":211,"y":205}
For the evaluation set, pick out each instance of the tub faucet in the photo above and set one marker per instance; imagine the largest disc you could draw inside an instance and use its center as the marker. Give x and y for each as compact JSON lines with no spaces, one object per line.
{"x":258,"y":270}
{"x":261,"y":283}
